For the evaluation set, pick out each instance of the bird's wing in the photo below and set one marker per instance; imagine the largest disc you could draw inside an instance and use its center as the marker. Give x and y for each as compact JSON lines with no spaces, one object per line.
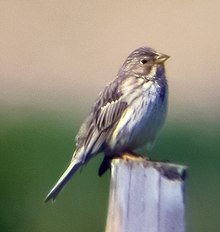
{"x":109,"y":114}
{"x":99,"y":125}
{"x":94,"y":132}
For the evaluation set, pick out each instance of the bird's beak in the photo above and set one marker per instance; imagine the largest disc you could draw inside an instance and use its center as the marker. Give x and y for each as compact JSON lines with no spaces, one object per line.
{"x":161,"y":58}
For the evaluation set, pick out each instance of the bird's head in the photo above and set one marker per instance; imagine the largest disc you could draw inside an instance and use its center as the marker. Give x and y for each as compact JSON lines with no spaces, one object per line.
{"x":144,"y":62}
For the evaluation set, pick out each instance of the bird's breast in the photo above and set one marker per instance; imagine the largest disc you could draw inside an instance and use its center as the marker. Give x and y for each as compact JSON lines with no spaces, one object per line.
{"x":141,"y":121}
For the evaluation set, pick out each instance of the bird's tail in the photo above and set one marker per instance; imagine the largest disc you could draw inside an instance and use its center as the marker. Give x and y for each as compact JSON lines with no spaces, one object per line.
{"x":72,"y":168}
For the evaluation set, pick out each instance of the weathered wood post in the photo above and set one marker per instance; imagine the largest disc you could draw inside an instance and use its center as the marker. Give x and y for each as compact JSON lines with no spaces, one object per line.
{"x":146,"y":196}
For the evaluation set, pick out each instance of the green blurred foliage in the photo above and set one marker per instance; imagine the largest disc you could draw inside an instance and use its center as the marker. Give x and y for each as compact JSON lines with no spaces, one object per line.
{"x":36,"y":146}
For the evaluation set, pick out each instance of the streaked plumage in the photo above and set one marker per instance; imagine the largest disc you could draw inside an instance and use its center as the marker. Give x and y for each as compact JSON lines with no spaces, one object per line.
{"x":128,"y":113}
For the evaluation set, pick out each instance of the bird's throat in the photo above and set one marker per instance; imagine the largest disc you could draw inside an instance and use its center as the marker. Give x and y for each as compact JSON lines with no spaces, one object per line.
{"x":151,"y":76}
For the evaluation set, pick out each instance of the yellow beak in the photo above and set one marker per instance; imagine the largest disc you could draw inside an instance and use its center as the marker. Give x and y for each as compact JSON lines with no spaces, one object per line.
{"x":161,"y":58}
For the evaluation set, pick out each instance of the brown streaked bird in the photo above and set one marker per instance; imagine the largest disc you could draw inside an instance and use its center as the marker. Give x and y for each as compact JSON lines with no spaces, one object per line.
{"x":127,"y":114}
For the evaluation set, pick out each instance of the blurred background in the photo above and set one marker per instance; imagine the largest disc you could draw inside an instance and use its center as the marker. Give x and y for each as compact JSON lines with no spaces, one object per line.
{"x":55,"y":58}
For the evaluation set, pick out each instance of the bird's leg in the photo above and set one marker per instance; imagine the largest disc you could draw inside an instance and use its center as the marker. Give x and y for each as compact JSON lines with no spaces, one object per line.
{"x":132,"y":156}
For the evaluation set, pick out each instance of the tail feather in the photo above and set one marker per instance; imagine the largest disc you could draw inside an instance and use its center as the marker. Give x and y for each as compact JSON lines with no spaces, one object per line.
{"x":72,"y":168}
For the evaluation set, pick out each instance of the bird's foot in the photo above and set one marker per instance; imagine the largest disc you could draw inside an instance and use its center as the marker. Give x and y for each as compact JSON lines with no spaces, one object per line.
{"x":132,"y":156}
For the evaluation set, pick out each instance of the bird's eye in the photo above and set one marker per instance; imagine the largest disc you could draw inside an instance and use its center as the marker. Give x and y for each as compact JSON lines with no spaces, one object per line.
{"x":144,"y":61}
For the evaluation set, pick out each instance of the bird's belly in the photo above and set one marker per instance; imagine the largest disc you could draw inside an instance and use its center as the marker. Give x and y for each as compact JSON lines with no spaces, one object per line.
{"x":147,"y":128}
{"x":140,"y":123}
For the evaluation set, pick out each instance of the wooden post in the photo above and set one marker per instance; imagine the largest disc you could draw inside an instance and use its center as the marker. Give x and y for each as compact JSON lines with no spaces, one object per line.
{"x":146,"y":196}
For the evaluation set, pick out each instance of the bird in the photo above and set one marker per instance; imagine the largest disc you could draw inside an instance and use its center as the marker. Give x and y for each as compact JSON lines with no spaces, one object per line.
{"x":128,"y":113}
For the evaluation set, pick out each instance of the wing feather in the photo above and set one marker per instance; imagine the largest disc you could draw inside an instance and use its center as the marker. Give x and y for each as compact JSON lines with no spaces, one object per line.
{"x":101,"y":122}
{"x":109,"y":114}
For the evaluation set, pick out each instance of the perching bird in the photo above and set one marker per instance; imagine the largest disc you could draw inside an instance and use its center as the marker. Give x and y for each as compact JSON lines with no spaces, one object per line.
{"x":127,"y":114}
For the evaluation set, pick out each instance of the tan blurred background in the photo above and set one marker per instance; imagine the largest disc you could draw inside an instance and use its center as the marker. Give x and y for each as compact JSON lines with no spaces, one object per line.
{"x":60,"y":52}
